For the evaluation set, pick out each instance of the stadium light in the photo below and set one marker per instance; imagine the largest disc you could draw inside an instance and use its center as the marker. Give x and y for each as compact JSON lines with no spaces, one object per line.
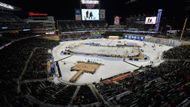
{"x":6,"y":6}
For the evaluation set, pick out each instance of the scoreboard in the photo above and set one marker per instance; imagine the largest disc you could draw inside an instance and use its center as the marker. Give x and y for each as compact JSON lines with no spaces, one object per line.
{"x":90,"y":1}
{"x":90,"y":14}
{"x":90,"y":11}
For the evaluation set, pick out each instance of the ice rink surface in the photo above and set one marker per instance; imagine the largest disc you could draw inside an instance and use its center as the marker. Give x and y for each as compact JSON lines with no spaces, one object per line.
{"x":111,"y":66}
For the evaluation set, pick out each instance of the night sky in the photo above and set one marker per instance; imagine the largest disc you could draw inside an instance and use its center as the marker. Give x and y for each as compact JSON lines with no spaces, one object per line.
{"x":65,"y":9}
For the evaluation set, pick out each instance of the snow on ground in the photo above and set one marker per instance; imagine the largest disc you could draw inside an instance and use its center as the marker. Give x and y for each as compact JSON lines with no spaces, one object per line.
{"x":111,"y":66}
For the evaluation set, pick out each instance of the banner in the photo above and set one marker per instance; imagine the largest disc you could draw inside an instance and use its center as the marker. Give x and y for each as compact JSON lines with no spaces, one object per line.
{"x":77,"y":14}
{"x":159,"y":15}
{"x":116,"y":20}
{"x":102,"y":14}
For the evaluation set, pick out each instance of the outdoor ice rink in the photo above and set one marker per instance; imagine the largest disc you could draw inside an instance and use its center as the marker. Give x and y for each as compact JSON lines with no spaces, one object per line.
{"x":111,"y":65}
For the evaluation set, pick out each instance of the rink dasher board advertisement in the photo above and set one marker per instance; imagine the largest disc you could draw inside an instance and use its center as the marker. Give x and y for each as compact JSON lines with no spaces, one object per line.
{"x":134,"y":37}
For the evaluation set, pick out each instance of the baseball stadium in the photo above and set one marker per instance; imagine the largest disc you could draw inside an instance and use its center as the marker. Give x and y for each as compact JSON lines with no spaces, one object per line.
{"x":94,"y":53}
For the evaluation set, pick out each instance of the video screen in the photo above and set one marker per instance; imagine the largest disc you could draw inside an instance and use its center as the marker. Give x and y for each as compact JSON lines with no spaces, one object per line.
{"x":90,"y":14}
{"x":150,"y":20}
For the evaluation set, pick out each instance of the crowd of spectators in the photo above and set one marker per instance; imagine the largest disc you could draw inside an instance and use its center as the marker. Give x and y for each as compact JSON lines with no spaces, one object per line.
{"x":37,"y":67}
{"x":164,"y":86}
{"x":57,"y":94}
{"x":9,"y":21}
{"x":34,"y":85}
{"x":13,"y":61}
{"x":8,"y":37}
{"x":4,"y":40}
{"x":71,"y":25}
{"x":14,"y":57}
{"x":84,"y":96}
{"x":181,"y":53}
{"x":48,"y":92}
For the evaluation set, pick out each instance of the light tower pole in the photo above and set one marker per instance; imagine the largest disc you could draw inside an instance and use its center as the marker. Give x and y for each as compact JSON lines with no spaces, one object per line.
{"x":184,"y":26}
